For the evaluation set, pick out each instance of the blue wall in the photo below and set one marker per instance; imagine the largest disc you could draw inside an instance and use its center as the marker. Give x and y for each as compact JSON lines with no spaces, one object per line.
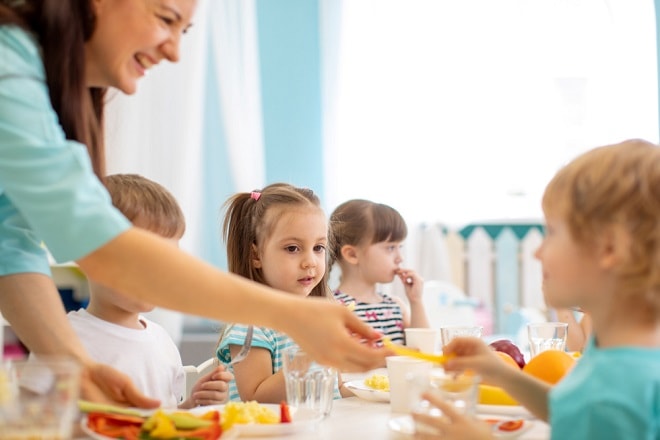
{"x":289,"y":50}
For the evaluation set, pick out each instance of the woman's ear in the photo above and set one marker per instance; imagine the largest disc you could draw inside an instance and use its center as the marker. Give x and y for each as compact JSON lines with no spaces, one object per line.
{"x":254,"y":255}
{"x":349,"y":254}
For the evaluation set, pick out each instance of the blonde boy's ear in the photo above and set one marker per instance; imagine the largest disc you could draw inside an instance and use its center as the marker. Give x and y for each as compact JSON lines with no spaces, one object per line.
{"x":349,"y":254}
{"x":254,"y":255}
{"x":614,"y":246}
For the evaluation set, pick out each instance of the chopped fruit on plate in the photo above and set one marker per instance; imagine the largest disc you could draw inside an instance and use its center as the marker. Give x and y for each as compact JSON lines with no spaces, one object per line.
{"x":380,"y":382}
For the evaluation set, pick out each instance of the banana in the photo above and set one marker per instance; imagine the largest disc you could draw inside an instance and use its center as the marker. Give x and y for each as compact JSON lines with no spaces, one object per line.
{"x":490,"y":395}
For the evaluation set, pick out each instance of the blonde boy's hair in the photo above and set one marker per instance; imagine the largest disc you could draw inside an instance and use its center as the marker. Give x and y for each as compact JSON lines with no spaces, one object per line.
{"x":616,"y":185}
{"x":146,"y":203}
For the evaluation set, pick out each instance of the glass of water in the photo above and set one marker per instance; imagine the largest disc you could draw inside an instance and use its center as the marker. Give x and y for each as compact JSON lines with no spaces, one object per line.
{"x":309,"y":385}
{"x":546,"y":336}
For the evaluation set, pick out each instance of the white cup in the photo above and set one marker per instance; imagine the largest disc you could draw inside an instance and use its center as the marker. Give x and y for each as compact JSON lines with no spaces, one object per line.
{"x":423,"y":339}
{"x":309,"y":385}
{"x":399,"y":369}
{"x":451,"y":332}
{"x":546,"y":336}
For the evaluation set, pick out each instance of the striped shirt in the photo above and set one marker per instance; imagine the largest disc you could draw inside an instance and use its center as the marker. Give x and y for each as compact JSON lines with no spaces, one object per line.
{"x":263,"y":337}
{"x":385,"y":316}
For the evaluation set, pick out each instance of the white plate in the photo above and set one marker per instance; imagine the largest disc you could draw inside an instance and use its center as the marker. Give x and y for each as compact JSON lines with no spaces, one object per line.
{"x":367,"y":393}
{"x":303,"y":420}
{"x":506,"y":410}
{"x":405,"y":425}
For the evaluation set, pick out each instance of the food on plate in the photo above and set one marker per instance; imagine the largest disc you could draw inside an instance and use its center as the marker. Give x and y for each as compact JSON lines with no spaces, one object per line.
{"x":509,"y":425}
{"x":508,"y":347}
{"x":550,"y":365}
{"x":491,"y":395}
{"x":379,"y":382}
{"x":159,"y":425}
{"x":285,"y":414}
{"x":241,"y":413}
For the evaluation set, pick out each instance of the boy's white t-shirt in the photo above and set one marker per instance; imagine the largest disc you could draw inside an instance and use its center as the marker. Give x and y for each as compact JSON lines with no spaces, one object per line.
{"x":148,"y":356}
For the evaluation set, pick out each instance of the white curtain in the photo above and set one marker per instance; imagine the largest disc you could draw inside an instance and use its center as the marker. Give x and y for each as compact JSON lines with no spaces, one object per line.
{"x":236,"y":55}
{"x":159,"y":132}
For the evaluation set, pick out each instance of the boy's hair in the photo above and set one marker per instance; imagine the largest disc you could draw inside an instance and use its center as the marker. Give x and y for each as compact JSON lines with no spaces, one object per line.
{"x":357,"y":222}
{"x":250,"y":217}
{"x":616,"y":185}
{"x":148,"y":203}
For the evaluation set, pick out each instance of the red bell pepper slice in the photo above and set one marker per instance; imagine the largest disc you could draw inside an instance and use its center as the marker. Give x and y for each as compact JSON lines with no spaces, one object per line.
{"x":511,"y":425}
{"x":285,"y":414}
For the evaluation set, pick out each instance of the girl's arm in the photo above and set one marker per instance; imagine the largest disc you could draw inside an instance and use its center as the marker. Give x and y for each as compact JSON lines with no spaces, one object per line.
{"x":414,"y":287}
{"x":151,"y":269}
{"x":255,"y":379}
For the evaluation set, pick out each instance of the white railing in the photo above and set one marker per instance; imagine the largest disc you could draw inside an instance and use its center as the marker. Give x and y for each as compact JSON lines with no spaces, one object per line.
{"x":492,"y":262}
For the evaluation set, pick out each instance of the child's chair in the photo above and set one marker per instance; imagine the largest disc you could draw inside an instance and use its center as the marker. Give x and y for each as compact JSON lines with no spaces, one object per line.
{"x":447,"y":304}
{"x":193,"y":373}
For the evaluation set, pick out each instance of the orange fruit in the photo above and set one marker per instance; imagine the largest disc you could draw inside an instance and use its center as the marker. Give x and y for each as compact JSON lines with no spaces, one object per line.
{"x":550,"y":365}
{"x":508,"y":359}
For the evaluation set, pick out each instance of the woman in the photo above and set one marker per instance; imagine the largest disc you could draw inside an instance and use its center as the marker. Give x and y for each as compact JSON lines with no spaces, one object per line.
{"x":57,"y":57}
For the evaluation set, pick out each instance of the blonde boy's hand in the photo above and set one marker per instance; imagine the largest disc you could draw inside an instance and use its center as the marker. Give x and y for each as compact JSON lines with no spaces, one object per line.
{"x":210,"y":389}
{"x":452,"y":424}
{"x":467,"y":353}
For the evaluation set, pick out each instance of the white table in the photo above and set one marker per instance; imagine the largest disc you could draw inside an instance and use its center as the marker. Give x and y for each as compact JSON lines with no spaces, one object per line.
{"x":354,"y":418}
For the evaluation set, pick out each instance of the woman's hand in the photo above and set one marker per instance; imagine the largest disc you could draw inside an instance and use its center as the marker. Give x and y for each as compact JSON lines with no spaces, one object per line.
{"x":334,"y":336}
{"x":452,"y":424}
{"x":102,"y":383}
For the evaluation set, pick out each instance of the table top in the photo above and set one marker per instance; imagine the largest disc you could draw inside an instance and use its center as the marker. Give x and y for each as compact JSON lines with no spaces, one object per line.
{"x":357,"y":418}
{"x":353,"y":417}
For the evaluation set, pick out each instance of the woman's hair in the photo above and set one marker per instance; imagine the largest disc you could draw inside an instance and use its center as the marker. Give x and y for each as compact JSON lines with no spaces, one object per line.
{"x":362,"y":222}
{"x":62,"y":27}
{"x":251,"y":217}
{"x":616,"y":185}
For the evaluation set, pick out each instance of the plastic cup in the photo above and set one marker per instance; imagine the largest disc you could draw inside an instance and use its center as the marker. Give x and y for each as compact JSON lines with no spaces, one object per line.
{"x":461,"y":391}
{"x":547,"y":336}
{"x":309,"y":385}
{"x":451,"y":332}
{"x":423,"y":339}
{"x":38,"y":398}
{"x":399,"y":369}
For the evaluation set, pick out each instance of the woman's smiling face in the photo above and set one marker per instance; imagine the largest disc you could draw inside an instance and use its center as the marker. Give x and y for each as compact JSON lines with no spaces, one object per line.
{"x":131,"y":36}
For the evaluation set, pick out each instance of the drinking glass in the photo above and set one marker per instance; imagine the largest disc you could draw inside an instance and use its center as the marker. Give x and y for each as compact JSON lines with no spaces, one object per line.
{"x":38,"y":398}
{"x":546,"y":336}
{"x":309,"y":385}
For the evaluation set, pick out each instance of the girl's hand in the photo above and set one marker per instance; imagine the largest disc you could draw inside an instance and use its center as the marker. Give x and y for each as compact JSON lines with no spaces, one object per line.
{"x":469,"y":353}
{"x":210,"y":389}
{"x":413,"y":283}
{"x":452,"y":424}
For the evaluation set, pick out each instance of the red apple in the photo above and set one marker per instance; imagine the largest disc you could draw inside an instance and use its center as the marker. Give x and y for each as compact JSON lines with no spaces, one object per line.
{"x":508,"y":347}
